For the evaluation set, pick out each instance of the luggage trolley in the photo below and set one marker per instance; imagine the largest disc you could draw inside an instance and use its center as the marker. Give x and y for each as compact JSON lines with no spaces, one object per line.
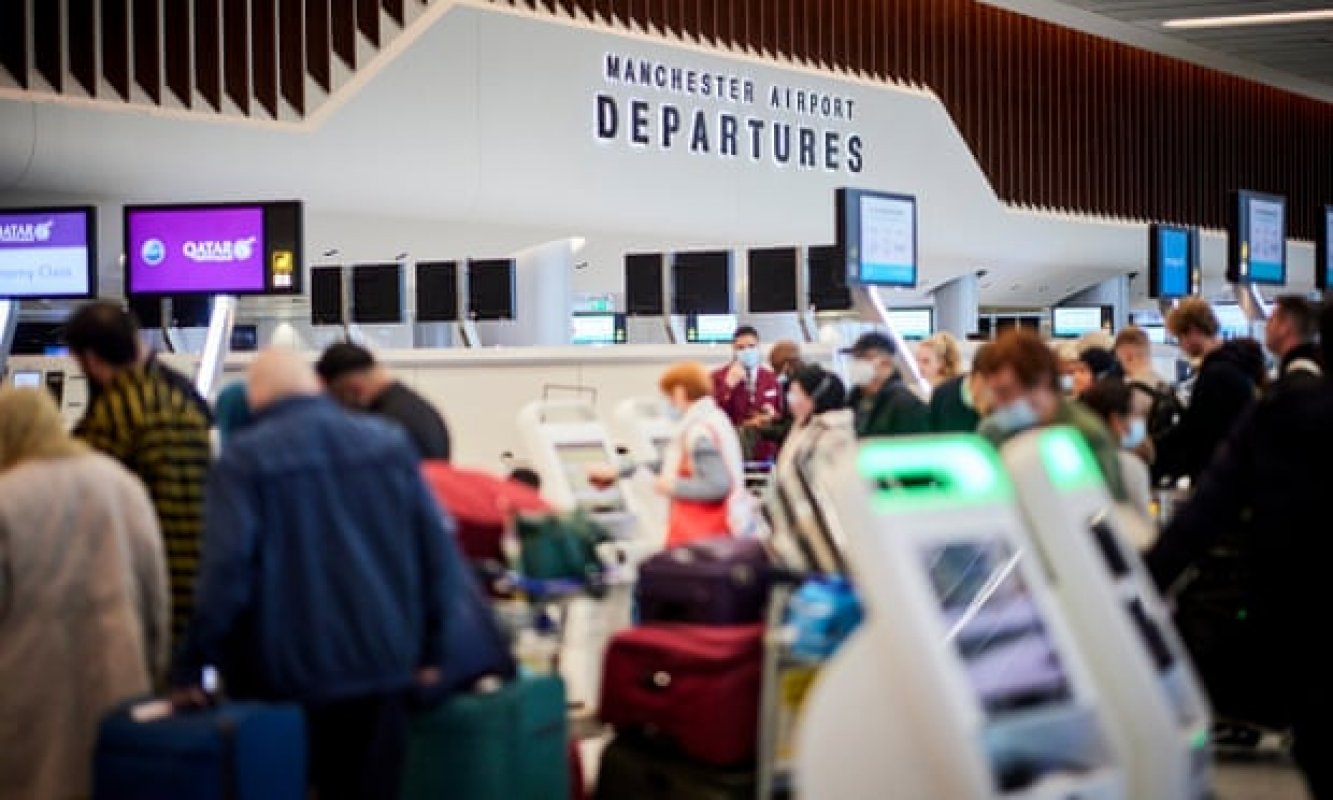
{"x":808,"y":543}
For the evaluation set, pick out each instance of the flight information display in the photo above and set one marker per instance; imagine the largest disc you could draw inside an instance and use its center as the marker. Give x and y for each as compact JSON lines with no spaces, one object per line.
{"x":47,"y":254}
{"x":1172,"y":262}
{"x":1258,"y":240}
{"x":877,"y":234}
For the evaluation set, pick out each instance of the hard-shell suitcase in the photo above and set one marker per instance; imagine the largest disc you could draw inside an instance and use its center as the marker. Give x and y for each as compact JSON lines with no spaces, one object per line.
{"x":632,"y":769}
{"x":695,"y":686}
{"x":715,"y":581}
{"x":238,"y":751}
{"x":510,"y":744}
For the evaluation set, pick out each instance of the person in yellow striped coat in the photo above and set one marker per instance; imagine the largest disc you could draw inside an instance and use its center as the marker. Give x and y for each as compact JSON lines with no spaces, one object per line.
{"x":154,"y":427}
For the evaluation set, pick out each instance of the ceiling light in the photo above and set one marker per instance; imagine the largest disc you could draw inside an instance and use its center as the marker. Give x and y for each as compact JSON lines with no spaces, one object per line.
{"x":1244,"y":20}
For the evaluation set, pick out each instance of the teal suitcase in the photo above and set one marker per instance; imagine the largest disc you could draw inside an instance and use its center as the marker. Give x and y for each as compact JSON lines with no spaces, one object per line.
{"x":511,"y":744}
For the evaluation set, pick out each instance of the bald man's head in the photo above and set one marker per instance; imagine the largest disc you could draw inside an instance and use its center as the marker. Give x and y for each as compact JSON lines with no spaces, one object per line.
{"x":278,"y":373}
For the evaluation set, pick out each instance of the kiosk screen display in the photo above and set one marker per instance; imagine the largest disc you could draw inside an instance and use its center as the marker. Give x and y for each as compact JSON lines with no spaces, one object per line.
{"x":247,"y":248}
{"x":597,"y":328}
{"x":772,"y":280}
{"x":1258,"y":240}
{"x":710,"y":328}
{"x":996,"y":626}
{"x":912,"y":323}
{"x":27,"y":379}
{"x":48,"y":254}
{"x":575,"y":458}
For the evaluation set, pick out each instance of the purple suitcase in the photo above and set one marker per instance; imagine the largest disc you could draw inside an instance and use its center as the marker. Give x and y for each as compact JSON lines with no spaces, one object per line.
{"x":720,"y":581}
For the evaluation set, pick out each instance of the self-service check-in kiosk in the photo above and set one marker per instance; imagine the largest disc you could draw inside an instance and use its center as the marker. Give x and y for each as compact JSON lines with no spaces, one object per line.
{"x":1153,"y":697}
{"x":562,"y":439}
{"x":965,"y":680}
{"x":58,"y":375}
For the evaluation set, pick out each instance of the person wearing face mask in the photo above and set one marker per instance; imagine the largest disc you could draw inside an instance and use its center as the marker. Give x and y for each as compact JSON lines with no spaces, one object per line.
{"x":1093,"y":365}
{"x":882,"y":403}
{"x":1022,"y":378}
{"x":957,"y":405}
{"x":703,"y":468}
{"x":747,"y":391}
{"x":784,"y":357}
{"x":1113,"y":400}
{"x":822,"y":425}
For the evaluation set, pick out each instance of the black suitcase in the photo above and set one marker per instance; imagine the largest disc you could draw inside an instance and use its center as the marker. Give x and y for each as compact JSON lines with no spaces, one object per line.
{"x":633,"y":769}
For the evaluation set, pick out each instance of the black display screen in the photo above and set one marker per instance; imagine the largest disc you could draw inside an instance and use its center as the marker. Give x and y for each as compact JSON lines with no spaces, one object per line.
{"x":772,"y":280}
{"x":643,"y":285}
{"x":437,"y":291}
{"x":701,"y":281}
{"x":377,"y":294}
{"x":828,"y":279}
{"x":490,"y":289}
{"x":326,"y":295}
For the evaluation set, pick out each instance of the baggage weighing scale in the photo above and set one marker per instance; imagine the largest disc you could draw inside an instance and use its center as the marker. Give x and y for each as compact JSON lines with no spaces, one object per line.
{"x":1154,"y":699}
{"x":964,"y":681}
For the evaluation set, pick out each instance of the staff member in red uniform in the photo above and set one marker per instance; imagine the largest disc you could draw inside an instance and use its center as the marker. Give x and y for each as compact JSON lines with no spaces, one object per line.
{"x":747,"y":391}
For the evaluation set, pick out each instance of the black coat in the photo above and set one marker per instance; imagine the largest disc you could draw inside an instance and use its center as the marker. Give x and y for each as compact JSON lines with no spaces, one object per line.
{"x":892,"y":411}
{"x":1277,"y":467}
{"x":1223,"y":392}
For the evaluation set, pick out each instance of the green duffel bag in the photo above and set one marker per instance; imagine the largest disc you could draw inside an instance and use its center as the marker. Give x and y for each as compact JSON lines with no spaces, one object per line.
{"x":561,"y":547}
{"x":510,"y":744}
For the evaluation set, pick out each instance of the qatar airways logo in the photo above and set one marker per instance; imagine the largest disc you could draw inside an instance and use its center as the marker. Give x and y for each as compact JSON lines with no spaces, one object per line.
{"x":26,"y":233}
{"x":204,"y":251}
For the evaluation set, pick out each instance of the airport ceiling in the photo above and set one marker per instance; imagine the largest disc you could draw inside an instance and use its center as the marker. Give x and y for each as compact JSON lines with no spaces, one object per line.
{"x":1303,"y":49}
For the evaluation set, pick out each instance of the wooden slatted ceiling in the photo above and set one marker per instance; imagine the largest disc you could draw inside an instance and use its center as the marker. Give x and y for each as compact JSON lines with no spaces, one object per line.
{"x":1058,"y":119}
{"x":177,"y":35}
{"x":208,"y":51}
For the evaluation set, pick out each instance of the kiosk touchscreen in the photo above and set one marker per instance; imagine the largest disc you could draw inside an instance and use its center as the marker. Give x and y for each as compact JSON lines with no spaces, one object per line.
{"x":645,"y":431}
{"x":563,"y":440}
{"x":1142,"y":669}
{"x":988,"y":691}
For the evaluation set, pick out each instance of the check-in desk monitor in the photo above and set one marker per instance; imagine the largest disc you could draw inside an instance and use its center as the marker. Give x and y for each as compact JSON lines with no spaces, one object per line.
{"x":965,"y":673}
{"x":1155,"y":701}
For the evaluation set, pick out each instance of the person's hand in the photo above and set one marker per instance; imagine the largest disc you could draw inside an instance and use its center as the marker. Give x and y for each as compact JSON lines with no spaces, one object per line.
{"x":602,"y":476}
{"x":760,"y":420}
{"x":664,"y":485}
{"x":186,"y":697}
{"x":735,"y":374}
{"x":428,"y":677}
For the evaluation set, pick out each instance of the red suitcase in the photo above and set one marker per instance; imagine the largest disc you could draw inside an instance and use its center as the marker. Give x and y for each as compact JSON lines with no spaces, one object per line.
{"x":696,"y":686}
{"x":481,"y":504}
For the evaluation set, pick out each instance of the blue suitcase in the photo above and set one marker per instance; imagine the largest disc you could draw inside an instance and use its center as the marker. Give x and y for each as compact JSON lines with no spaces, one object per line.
{"x":239,"y":751}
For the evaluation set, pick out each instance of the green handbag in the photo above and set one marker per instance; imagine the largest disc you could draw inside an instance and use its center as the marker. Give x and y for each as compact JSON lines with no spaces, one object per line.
{"x":561,"y":547}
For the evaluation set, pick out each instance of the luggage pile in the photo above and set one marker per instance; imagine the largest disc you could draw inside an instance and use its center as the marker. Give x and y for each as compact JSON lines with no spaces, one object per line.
{"x":683,"y":689}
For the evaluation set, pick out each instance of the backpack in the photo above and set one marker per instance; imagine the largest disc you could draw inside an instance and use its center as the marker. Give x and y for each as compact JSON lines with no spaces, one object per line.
{"x":1166,"y":410}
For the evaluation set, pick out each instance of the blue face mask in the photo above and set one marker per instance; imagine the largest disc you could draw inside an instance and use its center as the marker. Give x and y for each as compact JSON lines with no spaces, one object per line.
{"x":1017,"y":416}
{"x":1137,"y":433}
{"x":748,"y":358}
{"x":670,"y":411}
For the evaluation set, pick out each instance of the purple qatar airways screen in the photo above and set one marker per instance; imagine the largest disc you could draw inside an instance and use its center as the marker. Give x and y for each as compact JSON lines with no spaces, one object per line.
{"x":196,"y":250}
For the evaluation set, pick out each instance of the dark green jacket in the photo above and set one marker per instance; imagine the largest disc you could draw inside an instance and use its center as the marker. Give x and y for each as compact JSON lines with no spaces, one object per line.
{"x":948,"y":412}
{"x":892,"y":411}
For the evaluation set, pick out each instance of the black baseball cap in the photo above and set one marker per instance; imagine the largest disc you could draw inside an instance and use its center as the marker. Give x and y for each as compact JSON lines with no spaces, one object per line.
{"x":872,"y":342}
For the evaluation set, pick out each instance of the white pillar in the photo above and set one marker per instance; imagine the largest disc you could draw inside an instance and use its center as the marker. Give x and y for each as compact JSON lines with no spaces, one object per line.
{"x":956,"y":306}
